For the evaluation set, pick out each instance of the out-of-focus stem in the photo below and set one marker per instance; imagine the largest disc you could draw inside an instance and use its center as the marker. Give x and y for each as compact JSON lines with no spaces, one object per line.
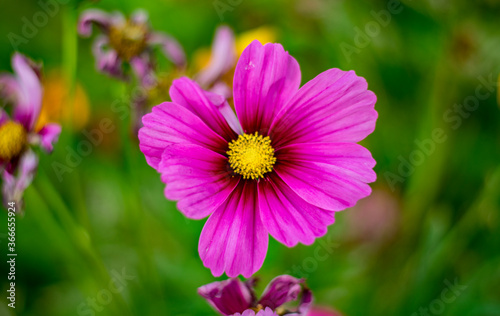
{"x":78,"y":236}
{"x":70,"y":56}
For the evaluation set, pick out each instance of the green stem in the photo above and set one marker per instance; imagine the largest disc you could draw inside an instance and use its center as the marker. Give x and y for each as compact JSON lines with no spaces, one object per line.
{"x":70,"y":56}
{"x":457,"y":239}
{"x":136,"y":214}
{"x":70,"y":50}
{"x":78,"y":236}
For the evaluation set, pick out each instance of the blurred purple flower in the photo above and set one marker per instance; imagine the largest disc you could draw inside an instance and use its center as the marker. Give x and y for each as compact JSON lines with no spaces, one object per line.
{"x":222,"y":60}
{"x":237,"y":298}
{"x":17,"y":161}
{"x":283,"y":166}
{"x":216,"y":69}
{"x":128,"y":40}
{"x":374,"y":219}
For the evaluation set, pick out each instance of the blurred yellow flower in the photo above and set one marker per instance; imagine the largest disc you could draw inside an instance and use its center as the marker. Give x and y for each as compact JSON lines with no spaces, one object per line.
{"x":201,"y":58}
{"x":55,"y":103}
{"x":214,"y":68}
{"x":263,"y":34}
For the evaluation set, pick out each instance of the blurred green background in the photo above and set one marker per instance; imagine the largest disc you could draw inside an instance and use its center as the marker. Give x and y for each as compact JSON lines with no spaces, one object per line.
{"x":432,"y":220}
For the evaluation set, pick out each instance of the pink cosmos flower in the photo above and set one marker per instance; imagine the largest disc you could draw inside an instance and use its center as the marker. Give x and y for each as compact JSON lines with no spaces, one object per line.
{"x":127,"y":40}
{"x":237,"y":298}
{"x":18,"y":162}
{"x":283,"y":166}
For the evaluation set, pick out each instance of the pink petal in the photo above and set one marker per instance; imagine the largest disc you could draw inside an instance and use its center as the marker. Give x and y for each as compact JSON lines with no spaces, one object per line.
{"x":264,"y":312}
{"x":169,"y":46}
{"x":13,"y":185}
{"x":218,"y":95}
{"x":287,"y":217}
{"x":29,"y":99}
{"x":222,"y":59}
{"x":228,"y":297}
{"x":265,"y":78}
{"x":333,"y":107}
{"x":170,"y":123}
{"x":197,"y":178}
{"x":107,"y":60}
{"x":144,"y":69}
{"x":49,"y":135}
{"x":305,"y":302}
{"x":98,"y":17}
{"x":223,"y":89}
{"x":139,"y":16}
{"x":229,"y":115}
{"x":234,"y":239}
{"x":9,"y":87}
{"x":203,"y":104}
{"x":331,"y":176}
{"x":281,"y":290}
{"x":4,"y":117}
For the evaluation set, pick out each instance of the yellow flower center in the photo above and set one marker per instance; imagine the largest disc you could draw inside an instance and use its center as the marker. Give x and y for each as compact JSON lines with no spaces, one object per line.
{"x":251,"y":155}
{"x":129,"y":40}
{"x":13,"y":139}
{"x":257,"y":308}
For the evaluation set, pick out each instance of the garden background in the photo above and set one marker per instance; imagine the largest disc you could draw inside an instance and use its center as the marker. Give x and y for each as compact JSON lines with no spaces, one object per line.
{"x":433,"y":217}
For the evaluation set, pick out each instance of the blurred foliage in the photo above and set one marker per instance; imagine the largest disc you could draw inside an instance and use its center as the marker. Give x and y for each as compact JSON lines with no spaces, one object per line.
{"x":110,"y":214}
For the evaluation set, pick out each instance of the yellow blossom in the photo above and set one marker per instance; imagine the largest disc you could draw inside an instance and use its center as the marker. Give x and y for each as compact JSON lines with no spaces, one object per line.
{"x":263,"y":34}
{"x":55,"y":107}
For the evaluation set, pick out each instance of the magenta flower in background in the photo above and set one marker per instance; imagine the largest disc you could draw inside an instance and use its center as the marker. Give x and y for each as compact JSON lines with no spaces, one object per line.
{"x":18,"y":162}
{"x":374,"y":220}
{"x":283,"y":166}
{"x":127,"y":40}
{"x":237,"y":298}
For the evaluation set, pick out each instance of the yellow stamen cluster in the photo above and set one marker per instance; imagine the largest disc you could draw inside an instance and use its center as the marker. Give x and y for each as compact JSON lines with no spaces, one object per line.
{"x":258,"y":308}
{"x":251,"y":155}
{"x":13,"y":139}
{"x":129,"y":39}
